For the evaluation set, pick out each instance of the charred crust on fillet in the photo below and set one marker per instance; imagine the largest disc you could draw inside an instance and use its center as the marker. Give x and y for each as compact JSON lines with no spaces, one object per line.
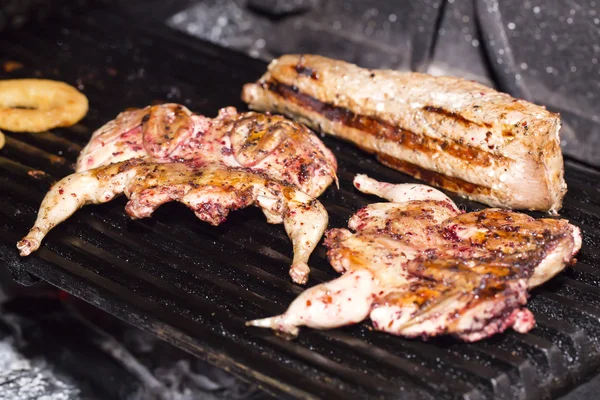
{"x":454,"y":116}
{"x":301,"y":69}
{"x":433,"y":178}
{"x":384,"y":130}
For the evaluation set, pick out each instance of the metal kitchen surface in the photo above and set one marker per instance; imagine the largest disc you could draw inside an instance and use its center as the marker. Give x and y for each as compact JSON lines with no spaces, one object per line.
{"x":195,"y":285}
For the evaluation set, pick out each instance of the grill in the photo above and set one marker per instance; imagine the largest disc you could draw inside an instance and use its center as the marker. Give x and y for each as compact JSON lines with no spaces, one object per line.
{"x":195,"y":285}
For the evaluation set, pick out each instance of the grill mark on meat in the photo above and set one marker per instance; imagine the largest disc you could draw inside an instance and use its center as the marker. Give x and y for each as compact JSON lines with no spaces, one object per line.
{"x":259,"y":141}
{"x":453,"y":115}
{"x":302,"y":70}
{"x":522,"y":140}
{"x":433,"y":178}
{"x":384,"y":130}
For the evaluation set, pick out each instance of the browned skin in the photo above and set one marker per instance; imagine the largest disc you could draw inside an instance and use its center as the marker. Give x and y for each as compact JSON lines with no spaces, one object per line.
{"x":450,"y":276}
{"x":166,"y":153}
{"x":434,"y":178}
{"x":257,"y":135}
{"x":211,"y":191}
{"x":452,"y":133}
{"x":161,"y":133}
{"x":419,"y":267}
{"x":284,"y":149}
{"x":269,"y":144}
{"x":386,"y":131}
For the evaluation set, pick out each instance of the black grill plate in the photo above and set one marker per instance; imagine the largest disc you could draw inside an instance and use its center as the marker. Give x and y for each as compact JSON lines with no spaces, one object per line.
{"x":195,"y":285}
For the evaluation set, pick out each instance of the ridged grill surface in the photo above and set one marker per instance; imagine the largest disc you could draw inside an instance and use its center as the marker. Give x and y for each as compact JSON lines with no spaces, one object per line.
{"x":195,"y":285}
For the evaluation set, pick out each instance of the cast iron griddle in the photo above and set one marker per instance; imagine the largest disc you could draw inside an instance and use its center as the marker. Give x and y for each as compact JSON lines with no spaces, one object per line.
{"x":195,"y":285}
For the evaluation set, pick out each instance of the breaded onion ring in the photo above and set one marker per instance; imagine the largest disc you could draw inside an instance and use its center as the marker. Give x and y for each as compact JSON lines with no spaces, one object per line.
{"x":2,"y":140}
{"x":36,"y":105}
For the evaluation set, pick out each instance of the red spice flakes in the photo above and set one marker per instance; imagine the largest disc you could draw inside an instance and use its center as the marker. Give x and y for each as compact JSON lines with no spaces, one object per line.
{"x":450,"y":233}
{"x":226,"y":151}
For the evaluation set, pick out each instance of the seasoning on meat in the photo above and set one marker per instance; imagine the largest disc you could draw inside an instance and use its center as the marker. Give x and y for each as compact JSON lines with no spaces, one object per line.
{"x":211,"y":191}
{"x":450,"y":132}
{"x":165,"y":153}
{"x":420,"y":267}
{"x":270,"y":144}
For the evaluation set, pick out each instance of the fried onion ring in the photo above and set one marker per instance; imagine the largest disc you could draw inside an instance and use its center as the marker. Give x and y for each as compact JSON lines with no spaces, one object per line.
{"x":2,"y":140}
{"x":36,"y":105}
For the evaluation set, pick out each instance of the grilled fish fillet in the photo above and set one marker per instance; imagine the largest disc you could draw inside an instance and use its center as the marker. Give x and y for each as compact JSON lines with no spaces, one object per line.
{"x":211,"y":191}
{"x":419,"y":267}
{"x":450,"y":132}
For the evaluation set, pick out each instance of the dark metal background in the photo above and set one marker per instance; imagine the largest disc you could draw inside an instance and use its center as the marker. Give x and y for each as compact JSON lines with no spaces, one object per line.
{"x":195,"y":285}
